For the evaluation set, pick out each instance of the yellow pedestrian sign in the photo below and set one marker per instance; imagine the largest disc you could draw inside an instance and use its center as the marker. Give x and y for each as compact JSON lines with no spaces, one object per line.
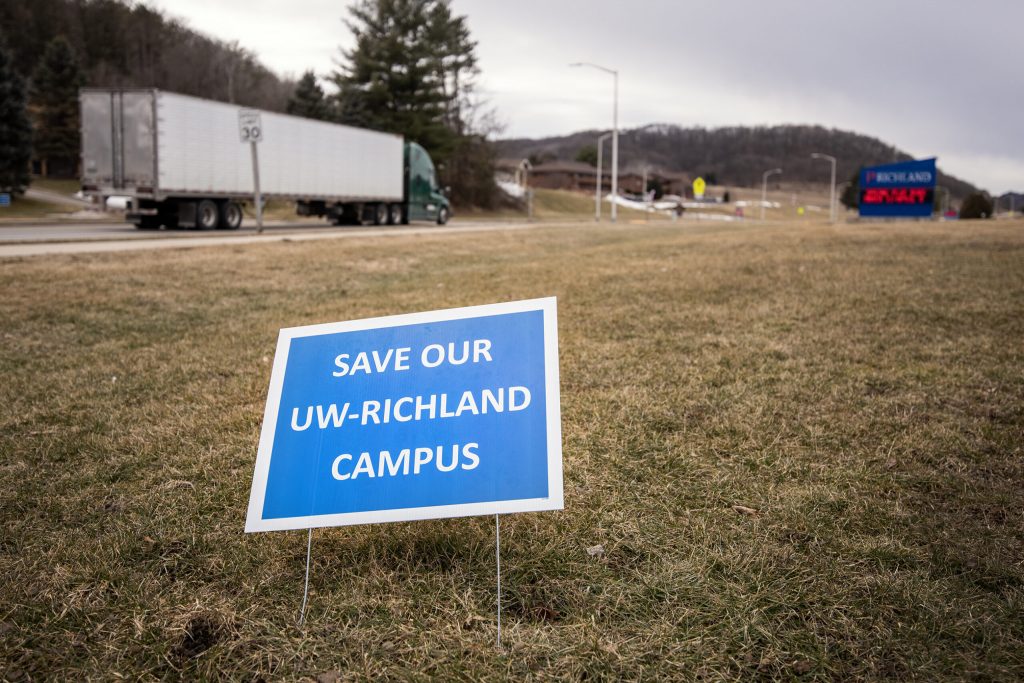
{"x":698,"y":188}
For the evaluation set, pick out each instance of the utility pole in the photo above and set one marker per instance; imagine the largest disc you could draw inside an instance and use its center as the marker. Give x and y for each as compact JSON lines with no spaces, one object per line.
{"x":615,"y":131}
{"x":250,"y":129}
{"x":643,"y":190}
{"x":598,"y":187}
{"x":524,"y":167}
{"x":258,"y":199}
{"x":832,"y":194}
{"x":764,"y":187}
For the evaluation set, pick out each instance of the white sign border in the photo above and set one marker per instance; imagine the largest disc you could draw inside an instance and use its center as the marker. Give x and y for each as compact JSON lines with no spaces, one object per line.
{"x":254,"y":521}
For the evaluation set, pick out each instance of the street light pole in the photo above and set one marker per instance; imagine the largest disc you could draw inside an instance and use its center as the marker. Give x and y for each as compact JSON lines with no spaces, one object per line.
{"x":615,"y":131}
{"x":764,"y":188}
{"x":615,"y":147}
{"x":597,"y":185}
{"x":832,"y":195}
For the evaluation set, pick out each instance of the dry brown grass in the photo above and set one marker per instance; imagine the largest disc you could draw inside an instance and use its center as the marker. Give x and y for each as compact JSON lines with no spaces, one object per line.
{"x":22,"y":208}
{"x":856,"y":391}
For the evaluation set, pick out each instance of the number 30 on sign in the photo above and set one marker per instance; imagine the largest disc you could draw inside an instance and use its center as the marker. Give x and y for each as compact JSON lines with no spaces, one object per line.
{"x":250,"y":129}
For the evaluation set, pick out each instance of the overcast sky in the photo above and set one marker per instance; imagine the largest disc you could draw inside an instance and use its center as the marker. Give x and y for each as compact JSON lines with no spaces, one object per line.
{"x":941,"y":77}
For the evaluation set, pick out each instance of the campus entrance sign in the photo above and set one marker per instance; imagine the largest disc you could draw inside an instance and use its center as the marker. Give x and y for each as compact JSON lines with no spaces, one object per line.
{"x":428,"y":415}
{"x":904,"y":190}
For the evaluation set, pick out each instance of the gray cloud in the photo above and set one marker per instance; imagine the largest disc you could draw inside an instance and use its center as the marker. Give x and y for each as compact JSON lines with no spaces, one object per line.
{"x":935,"y":78}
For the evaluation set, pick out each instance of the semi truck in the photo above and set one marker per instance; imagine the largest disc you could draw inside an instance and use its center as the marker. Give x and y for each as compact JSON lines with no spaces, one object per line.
{"x":181,"y":162}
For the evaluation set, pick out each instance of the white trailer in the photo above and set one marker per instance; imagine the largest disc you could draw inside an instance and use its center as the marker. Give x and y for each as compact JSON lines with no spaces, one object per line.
{"x":181,"y":162}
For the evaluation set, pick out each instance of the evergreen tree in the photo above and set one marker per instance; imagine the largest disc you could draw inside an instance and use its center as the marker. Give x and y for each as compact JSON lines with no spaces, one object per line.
{"x":850,"y":198}
{"x":470,"y":174}
{"x":15,"y":131}
{"x":55,"y":84}
{"x":977,"y":205}
{"x":308,"y":99}
{"x":587,"y":155}
{"x":389,"y":81}
{"x":469,"y":169}
{"x":412,"y":72}
{"x":454,"y":63}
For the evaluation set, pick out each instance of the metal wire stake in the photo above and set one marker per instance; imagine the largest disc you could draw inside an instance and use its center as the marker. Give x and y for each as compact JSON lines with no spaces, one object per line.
{"x":305,"y":591}
{"x":497,"y":555}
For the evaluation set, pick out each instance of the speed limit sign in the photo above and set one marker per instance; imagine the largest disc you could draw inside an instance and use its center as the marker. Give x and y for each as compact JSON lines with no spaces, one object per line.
{"x":250,"y":129}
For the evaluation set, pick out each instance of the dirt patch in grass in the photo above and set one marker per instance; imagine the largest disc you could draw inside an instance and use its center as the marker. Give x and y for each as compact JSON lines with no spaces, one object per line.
{"x":201,"y":633}
{"x":799,"y":449}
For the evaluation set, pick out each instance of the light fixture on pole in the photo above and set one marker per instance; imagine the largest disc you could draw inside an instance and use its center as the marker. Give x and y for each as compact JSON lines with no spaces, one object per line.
{"x":832,"y":195}
{"x":597,"y":185}
{"x":615,"y":131}
{"x":764,"y":188}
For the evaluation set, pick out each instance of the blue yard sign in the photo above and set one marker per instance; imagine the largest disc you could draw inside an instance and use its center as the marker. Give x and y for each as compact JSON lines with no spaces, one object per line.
{"x":5,"y":199}
{"x":421,"y":416}
{"x":903,"y":190}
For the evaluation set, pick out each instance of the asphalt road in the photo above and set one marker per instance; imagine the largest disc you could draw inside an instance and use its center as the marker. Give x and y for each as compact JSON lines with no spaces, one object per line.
{"x":95,"y":237}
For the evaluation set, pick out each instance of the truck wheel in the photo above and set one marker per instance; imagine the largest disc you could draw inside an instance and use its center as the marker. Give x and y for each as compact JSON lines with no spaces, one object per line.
{"x":230,"y":216}
{"x":442,"y":215}
{"x":380,"y":214}
{"x":394,"y":214}
{"x":207,"y":214}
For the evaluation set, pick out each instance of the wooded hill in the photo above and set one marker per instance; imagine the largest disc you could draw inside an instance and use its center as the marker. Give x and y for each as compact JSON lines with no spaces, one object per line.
{"x":122,"y":45}
{"x":735,"y":155}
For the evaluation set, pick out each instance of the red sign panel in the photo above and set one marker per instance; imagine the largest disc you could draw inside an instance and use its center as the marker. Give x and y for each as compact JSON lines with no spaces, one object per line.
{"x":896,"y":195}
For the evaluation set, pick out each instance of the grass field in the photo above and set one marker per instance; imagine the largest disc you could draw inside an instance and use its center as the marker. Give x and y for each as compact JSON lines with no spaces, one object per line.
{"x":26,"y":207}
{"x":549,"y":205}
{"x":800,"y":448}
{"x":64,"y":186}
{"x":32,"y":208}
{"x":555,"y":205}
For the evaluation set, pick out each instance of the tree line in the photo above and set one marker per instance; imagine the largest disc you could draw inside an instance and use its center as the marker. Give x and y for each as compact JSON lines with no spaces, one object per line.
{"x":734,"y":155}
{"x":412,"y":71}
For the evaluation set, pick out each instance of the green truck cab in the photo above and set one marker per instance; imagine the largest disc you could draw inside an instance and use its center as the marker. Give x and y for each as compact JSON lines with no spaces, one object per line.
{"x":424,"y":200}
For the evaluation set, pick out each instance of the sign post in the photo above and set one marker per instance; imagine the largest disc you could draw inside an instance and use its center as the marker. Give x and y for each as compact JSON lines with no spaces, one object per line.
{"x":422,"y":416}
{"x":250,"y":129}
